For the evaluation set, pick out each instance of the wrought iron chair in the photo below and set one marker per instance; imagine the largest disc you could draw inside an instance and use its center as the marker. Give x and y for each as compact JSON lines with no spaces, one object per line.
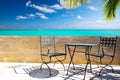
{"x":48,"y":52}
{"x":106,"y":51}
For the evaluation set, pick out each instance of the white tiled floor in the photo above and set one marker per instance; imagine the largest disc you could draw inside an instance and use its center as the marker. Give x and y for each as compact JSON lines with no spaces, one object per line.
{"x":7,"y":72}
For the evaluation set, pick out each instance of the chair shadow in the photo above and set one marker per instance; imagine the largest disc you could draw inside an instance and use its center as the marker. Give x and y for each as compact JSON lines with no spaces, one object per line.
{"x":73,"y":74}
{"x":79,"y":72}
{"x":43,"y":73}
{"x":19,"y":69}
{"x":34,"y":71}
{"x":107,"y":75}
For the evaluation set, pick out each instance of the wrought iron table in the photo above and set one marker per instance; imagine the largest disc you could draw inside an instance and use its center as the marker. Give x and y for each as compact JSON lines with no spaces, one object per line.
{"x":87,"y":46}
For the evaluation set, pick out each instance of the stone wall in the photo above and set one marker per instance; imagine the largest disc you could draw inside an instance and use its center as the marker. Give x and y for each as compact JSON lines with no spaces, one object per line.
{"x":19,"y":49}
{"x":27,"y":49}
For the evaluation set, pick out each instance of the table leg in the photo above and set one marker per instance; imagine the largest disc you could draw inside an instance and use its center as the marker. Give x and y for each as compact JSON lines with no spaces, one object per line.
{"x":86,"y":69}
{"x":71,"y":58}
{"x":89,"y":59}
{"x":88,"y":62}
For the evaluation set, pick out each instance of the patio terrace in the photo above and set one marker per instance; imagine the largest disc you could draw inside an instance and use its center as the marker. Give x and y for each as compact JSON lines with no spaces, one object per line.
{"x":7,"y":72}
{"x":19,"y":56}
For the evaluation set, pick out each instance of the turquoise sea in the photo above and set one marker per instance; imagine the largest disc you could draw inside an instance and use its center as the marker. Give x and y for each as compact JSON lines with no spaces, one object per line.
{"x":61,"y":32}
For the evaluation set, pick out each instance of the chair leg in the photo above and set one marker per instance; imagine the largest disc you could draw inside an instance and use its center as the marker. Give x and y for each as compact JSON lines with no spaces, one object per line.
{"x":41,"y":65}
{"x":111,"y":68}
{"x":98,"y":65}
{"x":101,"y":70}
{"x":104,"y":67}
{"x":54,"y":64}
{"x":47,"y":66}
{"x":61,"y":63}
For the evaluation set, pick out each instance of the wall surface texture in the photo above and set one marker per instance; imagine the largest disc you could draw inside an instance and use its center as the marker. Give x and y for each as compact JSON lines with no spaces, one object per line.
{"x":27,"y":49}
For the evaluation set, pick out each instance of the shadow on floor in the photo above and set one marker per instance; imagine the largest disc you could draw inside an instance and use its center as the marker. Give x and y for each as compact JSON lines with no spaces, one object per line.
{"x":58,"y":72}
{"x":107,"y":75}
{"x":79,"y":71}
{"x":35,"y":71}
{"x":43,"y":73}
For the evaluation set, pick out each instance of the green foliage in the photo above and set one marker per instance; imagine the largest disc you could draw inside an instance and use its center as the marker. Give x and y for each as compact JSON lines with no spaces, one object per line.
{"x":71,"y":4}
{"x":84,"y":1}
{"x":110,"y":6}
{"x":110,"y":9}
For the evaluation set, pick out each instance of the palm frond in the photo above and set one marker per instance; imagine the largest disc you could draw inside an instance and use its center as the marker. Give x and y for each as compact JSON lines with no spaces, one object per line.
{"x":110,"y":9}
{"x":70,"y":4}
{"x":84,"y":1}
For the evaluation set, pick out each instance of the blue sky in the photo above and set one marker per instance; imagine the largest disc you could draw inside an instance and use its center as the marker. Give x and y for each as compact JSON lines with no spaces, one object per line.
{"x":50,"y":14}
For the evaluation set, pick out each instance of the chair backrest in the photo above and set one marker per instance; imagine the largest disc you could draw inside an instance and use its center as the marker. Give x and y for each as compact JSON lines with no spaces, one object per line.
{"x":47,"y":44}
{"x":107,"y":45}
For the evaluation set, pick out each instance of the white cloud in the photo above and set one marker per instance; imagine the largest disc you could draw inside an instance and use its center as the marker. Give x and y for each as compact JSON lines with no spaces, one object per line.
{"x":30,"y":15}
{"x":43,"y":9}
{"x":41,"y":15}
{"x":92,"y":8}
{"x":99,"y":21}
{"x":28,"y":3}
{"x":40,"y":8}
{"x":25,"y":17}
{"x":79,"y":17}
{"x":67,"y":14}
{"x":98,"y":24}
{"x":56,"y":6}
{"x":21,"y":17}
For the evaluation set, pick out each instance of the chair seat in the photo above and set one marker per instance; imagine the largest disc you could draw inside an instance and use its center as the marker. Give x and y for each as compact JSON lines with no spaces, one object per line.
{"x":100,"y":55}
{"x":108,"y":55}
{"x":53,"y":54}
{"x":96,"y":55}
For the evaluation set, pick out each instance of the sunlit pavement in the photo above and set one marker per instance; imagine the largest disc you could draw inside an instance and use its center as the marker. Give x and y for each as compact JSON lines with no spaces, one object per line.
{"x":31,"y":71}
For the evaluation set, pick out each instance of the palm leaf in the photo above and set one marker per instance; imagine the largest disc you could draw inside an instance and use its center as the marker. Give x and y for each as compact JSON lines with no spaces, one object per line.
{"x":84,"y":1}
{"x":110,"y":9}
{"x":70,"y":4}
